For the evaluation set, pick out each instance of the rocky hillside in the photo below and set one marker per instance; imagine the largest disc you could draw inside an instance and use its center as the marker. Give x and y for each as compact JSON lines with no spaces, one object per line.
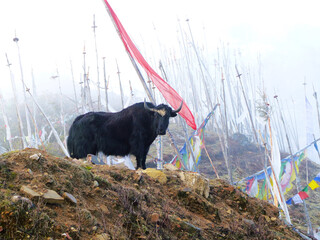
{"x":45,"y":197}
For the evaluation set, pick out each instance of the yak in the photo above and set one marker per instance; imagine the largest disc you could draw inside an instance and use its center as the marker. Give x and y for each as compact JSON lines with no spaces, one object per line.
{"x":130,"y":131}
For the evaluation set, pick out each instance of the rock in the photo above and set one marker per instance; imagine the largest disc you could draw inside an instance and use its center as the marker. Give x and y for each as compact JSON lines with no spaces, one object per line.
{"x":35,"y":156}
{"x":170,"y":167}
{"x":249,"y":222}
{"x":181,"y":176}
{"x":29,"y":192}
{"x":69,"y":197}
{"x":53,"y":197}
{"x":190,"y":228}
{"x":196,"y":182}
{"x":17,"y":198}
{"x":156,"y":174}
{"x":95,"y":183}
{"x":155,"y":217}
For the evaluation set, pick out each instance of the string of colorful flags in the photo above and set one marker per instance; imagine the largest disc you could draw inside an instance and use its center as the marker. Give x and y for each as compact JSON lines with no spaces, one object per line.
{"x":296,"y":199}
{"x":197,"y":143}
{"x":287,"y":176}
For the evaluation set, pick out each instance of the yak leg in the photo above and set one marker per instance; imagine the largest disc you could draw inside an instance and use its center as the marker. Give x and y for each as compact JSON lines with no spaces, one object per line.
{"x":144,"y":157}
{"x":141,"y":159}
{"x":138,"y":162}
{"x":141,"y":162}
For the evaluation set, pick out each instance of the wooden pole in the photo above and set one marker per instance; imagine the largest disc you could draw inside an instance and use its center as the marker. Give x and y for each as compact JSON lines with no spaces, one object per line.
{"x":74,"y":87}
{"x":105,"y":83}
{"x":120,"y":85}
{"x":282,"y":199}
{"x":310,"y":231}
{"x":214,"y":169}
{"x":87,"y":93}
{"x":34,"y":118}
{"x":247,"y":105}
{"x":23,"y":142}
{"x":202,"y":74}
{"x":229,"y":166}
{"x":98,"y":80}
{"x":317,"y":104}
{"x":6,"y":122}
{"x":52,"y":127}
{"x":16,"y":40}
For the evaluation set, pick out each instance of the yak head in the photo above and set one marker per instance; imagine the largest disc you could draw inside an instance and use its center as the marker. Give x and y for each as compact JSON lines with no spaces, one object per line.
{"x":162,"y":114}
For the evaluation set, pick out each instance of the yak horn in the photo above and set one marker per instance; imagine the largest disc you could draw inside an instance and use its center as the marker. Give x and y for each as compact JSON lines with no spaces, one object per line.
{"x":148,"y":108}
{"x":179,"y":108}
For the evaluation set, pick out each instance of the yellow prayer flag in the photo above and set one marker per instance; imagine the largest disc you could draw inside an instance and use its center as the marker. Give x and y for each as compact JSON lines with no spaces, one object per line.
{"x":313,"y":185}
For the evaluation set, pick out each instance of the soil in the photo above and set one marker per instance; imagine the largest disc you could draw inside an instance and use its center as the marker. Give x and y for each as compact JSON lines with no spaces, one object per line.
{"x":118,"y":203}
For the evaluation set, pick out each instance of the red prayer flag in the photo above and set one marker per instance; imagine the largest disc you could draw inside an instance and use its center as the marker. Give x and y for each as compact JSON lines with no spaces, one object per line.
{"x":172,"y":97}
{"x":303,"y":195}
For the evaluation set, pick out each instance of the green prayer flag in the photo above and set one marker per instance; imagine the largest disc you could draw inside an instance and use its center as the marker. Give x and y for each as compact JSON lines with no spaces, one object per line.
{"x":305,"y":189}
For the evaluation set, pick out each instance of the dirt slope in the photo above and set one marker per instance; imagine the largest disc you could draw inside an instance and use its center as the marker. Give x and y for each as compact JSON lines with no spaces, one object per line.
{"x":116,"y":203}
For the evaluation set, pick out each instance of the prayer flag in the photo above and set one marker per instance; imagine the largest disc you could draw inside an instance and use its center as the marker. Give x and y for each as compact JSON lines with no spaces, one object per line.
{"x":262,"y":192}
{"x":303,"y":195}
{"x":172,"y":97}
{"x":316,"y":146}
{"x":254,"y":191}
{"x":289,"y":201}
{"x":286,"y":178}
{"x":249,"y":185}
{"x":306,"y":189}
{"x":196,"y":141}
{"x":309,"y":121}
{"x":297,"y":199}
{"x":317,"y":179}
{"x":313,"y":184}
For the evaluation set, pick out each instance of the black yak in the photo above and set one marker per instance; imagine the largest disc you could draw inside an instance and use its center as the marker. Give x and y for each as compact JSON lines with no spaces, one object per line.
{"x":130,"y":131}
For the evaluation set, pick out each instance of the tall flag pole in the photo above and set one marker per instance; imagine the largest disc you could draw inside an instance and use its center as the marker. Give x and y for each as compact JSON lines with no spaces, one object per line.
{"x":172,"y":97}
{"x":310,"y":231}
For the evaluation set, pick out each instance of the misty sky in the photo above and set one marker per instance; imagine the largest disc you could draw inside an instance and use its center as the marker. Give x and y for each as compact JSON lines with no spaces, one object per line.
{"x":285,"y":33}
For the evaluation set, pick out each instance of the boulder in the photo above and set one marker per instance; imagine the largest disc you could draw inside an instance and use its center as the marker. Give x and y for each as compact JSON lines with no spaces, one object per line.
{"x":197,"y":182}
{"x":156,"y":174}
{"x":52,"y":197}
{"x":69,"y":197}
{"x":29,"y":192}
{"x":170,"y":167}
{"x":35,"y":156}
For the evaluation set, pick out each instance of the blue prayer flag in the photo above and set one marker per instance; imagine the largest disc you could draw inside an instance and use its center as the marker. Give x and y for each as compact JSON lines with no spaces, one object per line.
{"x":317,"y":179}
{"x":289,"y":201}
